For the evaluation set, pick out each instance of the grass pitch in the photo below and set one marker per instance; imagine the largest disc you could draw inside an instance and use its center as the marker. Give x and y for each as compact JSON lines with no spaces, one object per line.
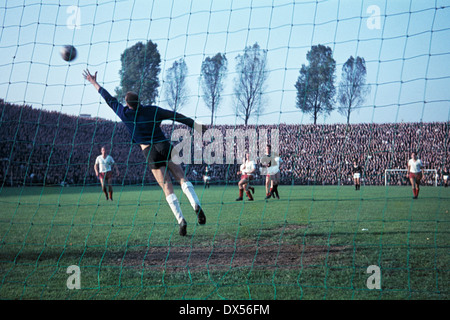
{"x":316,"y":242}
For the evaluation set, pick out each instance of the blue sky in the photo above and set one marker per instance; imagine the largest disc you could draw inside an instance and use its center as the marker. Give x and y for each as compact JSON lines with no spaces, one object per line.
{"x":406,"y":45}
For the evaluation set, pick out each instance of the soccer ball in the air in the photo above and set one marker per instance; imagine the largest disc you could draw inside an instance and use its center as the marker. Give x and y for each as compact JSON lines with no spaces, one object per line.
{"x":68,"y":52}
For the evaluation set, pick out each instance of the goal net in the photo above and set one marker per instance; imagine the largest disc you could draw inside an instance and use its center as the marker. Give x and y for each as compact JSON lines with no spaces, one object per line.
{"x":325,"y":83}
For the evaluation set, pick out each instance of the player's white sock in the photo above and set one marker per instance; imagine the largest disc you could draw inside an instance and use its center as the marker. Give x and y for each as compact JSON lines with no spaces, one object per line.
{"x":172,"y":200}
{"x":188,"y":190}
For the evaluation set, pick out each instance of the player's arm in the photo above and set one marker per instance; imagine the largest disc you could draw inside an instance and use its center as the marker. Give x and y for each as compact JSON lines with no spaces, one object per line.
{"x":96,"y":168}
{"x":112,"y":102}
{"x":116,"y":168}
{"x":113,"y":165}
{"x":92,"y":78}
{"x":164,"y":114}
{"x":274,"y":161}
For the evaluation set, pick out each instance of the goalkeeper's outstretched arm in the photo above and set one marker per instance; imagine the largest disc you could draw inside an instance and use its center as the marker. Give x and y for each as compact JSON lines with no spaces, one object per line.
{"x":91,"y":78}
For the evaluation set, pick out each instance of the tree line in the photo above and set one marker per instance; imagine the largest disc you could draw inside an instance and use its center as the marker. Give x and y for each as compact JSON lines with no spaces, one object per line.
{"x":315,"y":86}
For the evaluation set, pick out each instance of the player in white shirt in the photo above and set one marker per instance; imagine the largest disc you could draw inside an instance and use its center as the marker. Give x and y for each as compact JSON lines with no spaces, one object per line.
{"x":445,"y":176}
{"x":247,"y":171}
{"x":207,"y":177}
{"x":274,"y":172}
{"x":270,"y":168}
{"x":103,"y":171}
{"x":415,"y":173}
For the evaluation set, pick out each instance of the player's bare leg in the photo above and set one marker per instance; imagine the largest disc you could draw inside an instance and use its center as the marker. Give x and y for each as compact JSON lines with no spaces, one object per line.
{"x":246,"y":187}
{"x":241,"y":195}
{"x":417,"y":186}
{"x":249,"y":187}
{"x":414,"y":187}
{"x":188,"y":190}
{"x":268,"y":187}
{"x":103,"y":184}
{"x":357,"y":184}
{"x":110,"y":188}
{"x":243,"y":186}
{"x":164,"y":182}
{"x":275,"y":181}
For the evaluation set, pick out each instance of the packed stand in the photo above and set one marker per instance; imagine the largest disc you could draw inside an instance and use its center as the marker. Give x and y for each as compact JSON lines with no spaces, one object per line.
{"x":49,"y":148}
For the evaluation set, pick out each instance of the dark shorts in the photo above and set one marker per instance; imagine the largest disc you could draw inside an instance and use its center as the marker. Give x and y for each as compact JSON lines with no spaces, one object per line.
{"x":415,"y":176}
{"x":247,"y":177}
{"x":158,"y":154}
{"x":105,"y":175}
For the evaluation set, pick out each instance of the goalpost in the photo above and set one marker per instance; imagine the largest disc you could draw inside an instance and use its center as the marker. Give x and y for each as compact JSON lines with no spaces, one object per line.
{"x":402,"y":172}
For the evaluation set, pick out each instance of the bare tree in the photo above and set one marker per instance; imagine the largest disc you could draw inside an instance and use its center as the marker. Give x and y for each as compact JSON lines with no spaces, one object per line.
{"x":251,"y":69}
{"x":352,"y":88}
{"x":212,"y":75}
{"x":175,"y":89}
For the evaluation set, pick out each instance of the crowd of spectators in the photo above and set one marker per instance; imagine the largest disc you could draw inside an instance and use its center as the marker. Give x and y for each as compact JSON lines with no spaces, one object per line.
{"x":40,"y":147}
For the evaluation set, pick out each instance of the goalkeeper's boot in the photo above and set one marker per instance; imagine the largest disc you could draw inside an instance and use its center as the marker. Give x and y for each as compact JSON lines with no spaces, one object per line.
{"x":183,"y":227}
{"x":201,"y":218}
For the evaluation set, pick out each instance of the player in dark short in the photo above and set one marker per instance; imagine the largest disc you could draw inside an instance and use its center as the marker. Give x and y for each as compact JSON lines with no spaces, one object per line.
{"x":144,"y":126}
{"x":357,"y":173}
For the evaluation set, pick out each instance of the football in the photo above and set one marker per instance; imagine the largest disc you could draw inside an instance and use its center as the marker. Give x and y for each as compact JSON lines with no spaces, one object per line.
{"x":68,"y":52}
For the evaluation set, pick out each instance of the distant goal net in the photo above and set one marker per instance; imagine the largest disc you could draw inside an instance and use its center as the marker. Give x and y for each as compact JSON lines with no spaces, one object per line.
{"x":399,"y":177}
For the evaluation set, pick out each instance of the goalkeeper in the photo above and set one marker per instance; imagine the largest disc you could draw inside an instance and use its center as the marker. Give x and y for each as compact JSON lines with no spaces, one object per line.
{"x":143,"y":123}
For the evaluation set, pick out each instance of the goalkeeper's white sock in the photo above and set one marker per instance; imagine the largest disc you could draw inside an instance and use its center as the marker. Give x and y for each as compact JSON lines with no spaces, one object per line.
{"x":172,"y":200}
{"x":188,"y":190}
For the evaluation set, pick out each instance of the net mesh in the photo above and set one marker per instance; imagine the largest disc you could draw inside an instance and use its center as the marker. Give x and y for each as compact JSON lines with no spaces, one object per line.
{"x":318,"y":241}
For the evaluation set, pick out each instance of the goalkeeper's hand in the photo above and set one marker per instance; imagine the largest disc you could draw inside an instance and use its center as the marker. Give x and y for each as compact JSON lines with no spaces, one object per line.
{"x":91,"y":78}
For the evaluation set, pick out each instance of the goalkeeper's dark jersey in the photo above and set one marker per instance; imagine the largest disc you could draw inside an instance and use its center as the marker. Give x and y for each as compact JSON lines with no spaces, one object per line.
{"x":357,"y":169}
{"x":144,"y":124}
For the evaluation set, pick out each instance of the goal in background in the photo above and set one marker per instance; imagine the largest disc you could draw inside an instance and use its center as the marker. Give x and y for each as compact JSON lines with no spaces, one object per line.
{"x":398,"y":177}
